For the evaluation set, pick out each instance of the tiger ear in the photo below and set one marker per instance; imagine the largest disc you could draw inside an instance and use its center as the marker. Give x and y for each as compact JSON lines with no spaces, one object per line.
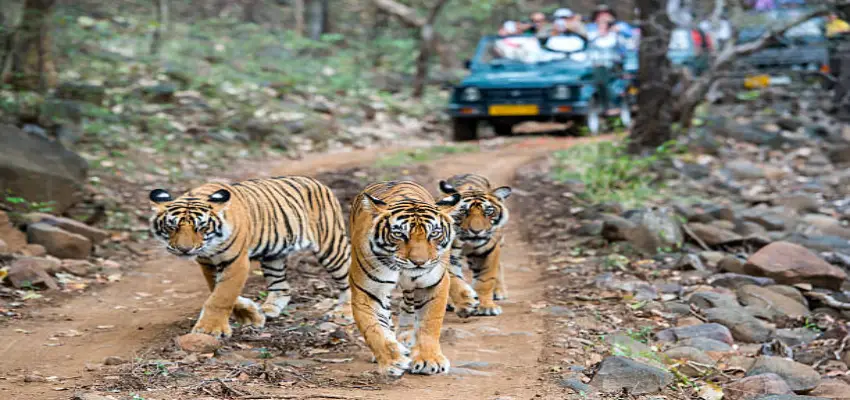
{"x":502,"y":192}
{"x":447,"y":188}
{"x":219,"y":197}
{"x":159,"y":196}
{"x":372,"y":204}
{"x":449,"y":201}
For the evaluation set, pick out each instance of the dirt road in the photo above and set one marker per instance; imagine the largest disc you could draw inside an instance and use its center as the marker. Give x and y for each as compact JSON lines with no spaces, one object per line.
{"x":495,"y":357}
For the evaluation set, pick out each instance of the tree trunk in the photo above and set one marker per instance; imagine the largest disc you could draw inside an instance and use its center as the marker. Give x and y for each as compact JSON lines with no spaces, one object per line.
{"x":653,"y":124}
{"x":327,"y":21}
{"x":161,"y":25}
{"x":426,"y":44}
{"x":298,"y":10}
{"x":249,"y":11}
{"x":316,"y":19}
{"x":31,"y":65}
{"x":411,"y":18}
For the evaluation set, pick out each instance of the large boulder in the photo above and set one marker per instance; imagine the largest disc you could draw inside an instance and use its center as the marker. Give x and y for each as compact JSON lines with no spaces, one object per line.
{"x":33,"y":272}
{"x":789,"y":263}
{"x":39,"y":170}
{"x":620,"y":373}
{"x":799,"y":377}
{"x":94,"y":234}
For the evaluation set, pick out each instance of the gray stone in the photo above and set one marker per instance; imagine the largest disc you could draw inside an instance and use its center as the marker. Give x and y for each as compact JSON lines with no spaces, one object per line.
{"x":711,"y":331}
{"x":752,"y":386}
{"x":735,"y":281}
{"x":39,"y":170}
{"x":776,"y":303}
{"x":620,"y":373}
{"x":689,"y":262}
{"x":614,"y":227}
{"x":706,"y":344}
{"x":95,"y":235}
{"x":706,"y":300}
{"x":820,"y":242}
{"x":732,"y":264}
{"x":768,"y":220}
{"x":32,"y":272}
{"x":692,"y":361}
{"x":745,"y":170}
{"x":712,"y":235}
{"x":799,"y":377}
{"x":797,"y":336}
{"x":656,"y":229}
{"x":827,"y":225}
{"x":58,"y":242}
{"x":788,"y":397}
{"x":744,"y":327}
{"x":577,"y":386}
{"x":800,"y":202}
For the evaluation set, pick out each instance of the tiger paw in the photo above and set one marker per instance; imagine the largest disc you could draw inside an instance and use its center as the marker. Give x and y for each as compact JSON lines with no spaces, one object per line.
{"x":275,"y":304}
{"x":489,"y":310}
{"x":246,"y":313}
{"x":213,"y":326}
{"x":394,"y":367}
{"x":406,"y":339}
{"x":430,"y":364}
{"x":500,"y":294}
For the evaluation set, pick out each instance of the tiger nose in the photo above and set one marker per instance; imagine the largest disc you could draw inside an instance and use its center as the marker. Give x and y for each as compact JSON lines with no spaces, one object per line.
{"x":184,"y":249}
{"x":475,"y":231}
{"x":418,"y":263}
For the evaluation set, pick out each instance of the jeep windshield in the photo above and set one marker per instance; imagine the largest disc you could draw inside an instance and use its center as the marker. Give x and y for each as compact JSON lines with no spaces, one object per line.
{"x":522,"y":50}
{"x":754,"y":25}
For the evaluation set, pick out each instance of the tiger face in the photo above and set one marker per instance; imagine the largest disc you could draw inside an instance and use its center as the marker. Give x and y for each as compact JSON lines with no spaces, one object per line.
{"x":192,"y":224}
{"x":410,"y":234}
{"x":478,"y":214}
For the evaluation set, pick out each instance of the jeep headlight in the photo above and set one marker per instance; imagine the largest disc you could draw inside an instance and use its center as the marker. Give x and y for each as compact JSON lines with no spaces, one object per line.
{"x":560,"y":92}
{"x":471,"y":94}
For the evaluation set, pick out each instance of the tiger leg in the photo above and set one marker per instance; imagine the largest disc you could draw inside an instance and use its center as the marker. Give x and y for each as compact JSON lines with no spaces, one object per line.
{"x":486,"y":272}
{"x":277,"y":286}
{"x":500,"y":293}
{"x":218,"y":307}
{"x":373,"y":317}
{"x":430,"y":303}
{"x":406,"y":320}
{"x":245,"y":311}
{"x":337,"y":264}
{"x":463,"y":298}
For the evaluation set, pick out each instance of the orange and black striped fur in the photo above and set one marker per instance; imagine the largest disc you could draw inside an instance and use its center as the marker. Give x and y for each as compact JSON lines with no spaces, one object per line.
{"x":401,"y":236}
{"x":479,"y":220}
{"x":225,"y":227}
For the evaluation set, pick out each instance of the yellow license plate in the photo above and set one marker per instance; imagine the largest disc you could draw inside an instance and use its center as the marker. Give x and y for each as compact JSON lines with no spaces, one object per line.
{"x":633,"y":91}
{"x":514,"y":109}
{"x":756,"y":81}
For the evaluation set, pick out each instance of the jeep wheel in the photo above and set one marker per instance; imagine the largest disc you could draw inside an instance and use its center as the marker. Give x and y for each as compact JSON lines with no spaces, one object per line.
{"x":465,"y":129}
{"x":503,"y":128}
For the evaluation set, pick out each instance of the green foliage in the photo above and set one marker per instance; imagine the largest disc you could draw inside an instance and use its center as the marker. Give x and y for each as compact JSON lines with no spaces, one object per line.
{"x":427,"y":154}
{"x":609,"y":173}
{"x":22,"y":205}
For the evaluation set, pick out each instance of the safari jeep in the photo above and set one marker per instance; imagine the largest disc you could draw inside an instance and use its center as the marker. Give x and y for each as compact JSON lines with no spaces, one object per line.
{"x":514,"y":79}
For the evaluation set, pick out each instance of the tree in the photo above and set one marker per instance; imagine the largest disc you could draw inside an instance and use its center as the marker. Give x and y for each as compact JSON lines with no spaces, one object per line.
{"x":653,"y":124}
{"x":317,"y":19}
{"x":30,"y":63}
{"x":298,"y":10}
{"x":411,"y":18}
{"x":161,"y":25}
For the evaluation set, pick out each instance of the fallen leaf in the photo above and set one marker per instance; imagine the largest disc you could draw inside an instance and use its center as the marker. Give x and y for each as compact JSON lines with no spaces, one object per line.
{"x":3,"y":272}
{"x":32,"y":296}
{"x":710,"y":392}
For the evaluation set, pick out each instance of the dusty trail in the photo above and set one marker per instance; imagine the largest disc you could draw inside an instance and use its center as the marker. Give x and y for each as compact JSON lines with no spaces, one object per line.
{"x":150,"y":302}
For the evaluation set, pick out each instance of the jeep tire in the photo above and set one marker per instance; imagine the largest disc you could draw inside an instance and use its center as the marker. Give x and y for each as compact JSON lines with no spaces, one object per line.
{"x":503,"y":128}
{"x":464,"y":129}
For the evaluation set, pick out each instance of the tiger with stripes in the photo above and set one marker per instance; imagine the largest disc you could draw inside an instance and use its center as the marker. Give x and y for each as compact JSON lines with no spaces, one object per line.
{"x":225,"y":227}
{"x":479,"y":217}
{"x":401,"y":236}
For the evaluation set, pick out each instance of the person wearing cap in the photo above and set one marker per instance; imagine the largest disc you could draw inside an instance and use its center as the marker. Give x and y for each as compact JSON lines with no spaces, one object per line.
{"x":571,"y":21}
{"x":604,"y":14}
{"x":538,"y":26}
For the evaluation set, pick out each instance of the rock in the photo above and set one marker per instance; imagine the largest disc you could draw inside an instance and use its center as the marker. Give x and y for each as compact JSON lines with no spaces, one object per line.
{"x":160,"y":93}
{"x":752,"y":386}
{"x":712,"y":235}
{"x":114,"y":360}
{"x":34,"y":250}
{"x":706,"y":344}
{"x":732,"y":264}
{"x":39,"y":170}
{"x":799,"y":202}
{"x":198,"y":343}
{"x":624,"y":345}
{"x":827,"y":225}
{"x":790,"y":263}
{"x":14,"y":239}
{"x":799,"y":377}
{"x":789,"y":123}
{"x":776,"y":303}
{"x":690,"y":262}
{"x":735,"y":281}
{"x":747,"y":228}
{"x":81,"y":91}
{"x":710,"y":331}
{"x":744,"y":327}
{"x":745,"y":170}
{"x":92,"y":396}
{"x":712,"y":258}
{"x":839,"y":154}
{"x":820,"y":242}
{"x":30,"y":271}
{"x":691,"y":361}
{"x":797,"y":336}
{"x":768,"y":220}
{"x":792,"y":292}
{"x":788,"y":397}
{"x":831,"y":389}
{"x":77,"y":267}
{"x":656,"y":229}
{"x":620,"y":373}
{"x":95,"y":235}
{"x":706,"y":300}
{"x":614,"y":227}
{"x":58,"y":242}
{"x":34,"y":378}
{"x":577,"y":386}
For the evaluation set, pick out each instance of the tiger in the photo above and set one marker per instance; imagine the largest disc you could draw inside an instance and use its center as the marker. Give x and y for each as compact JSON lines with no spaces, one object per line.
{"x":226,"y":226}
{"x":401,"y":236}
{"x":479,"y":219}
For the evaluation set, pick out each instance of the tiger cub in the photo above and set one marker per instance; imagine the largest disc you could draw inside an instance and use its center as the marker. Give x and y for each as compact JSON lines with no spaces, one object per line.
{"x":479,"y":218}
{"x":401,"y":236}
{"x":225,"y":227}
